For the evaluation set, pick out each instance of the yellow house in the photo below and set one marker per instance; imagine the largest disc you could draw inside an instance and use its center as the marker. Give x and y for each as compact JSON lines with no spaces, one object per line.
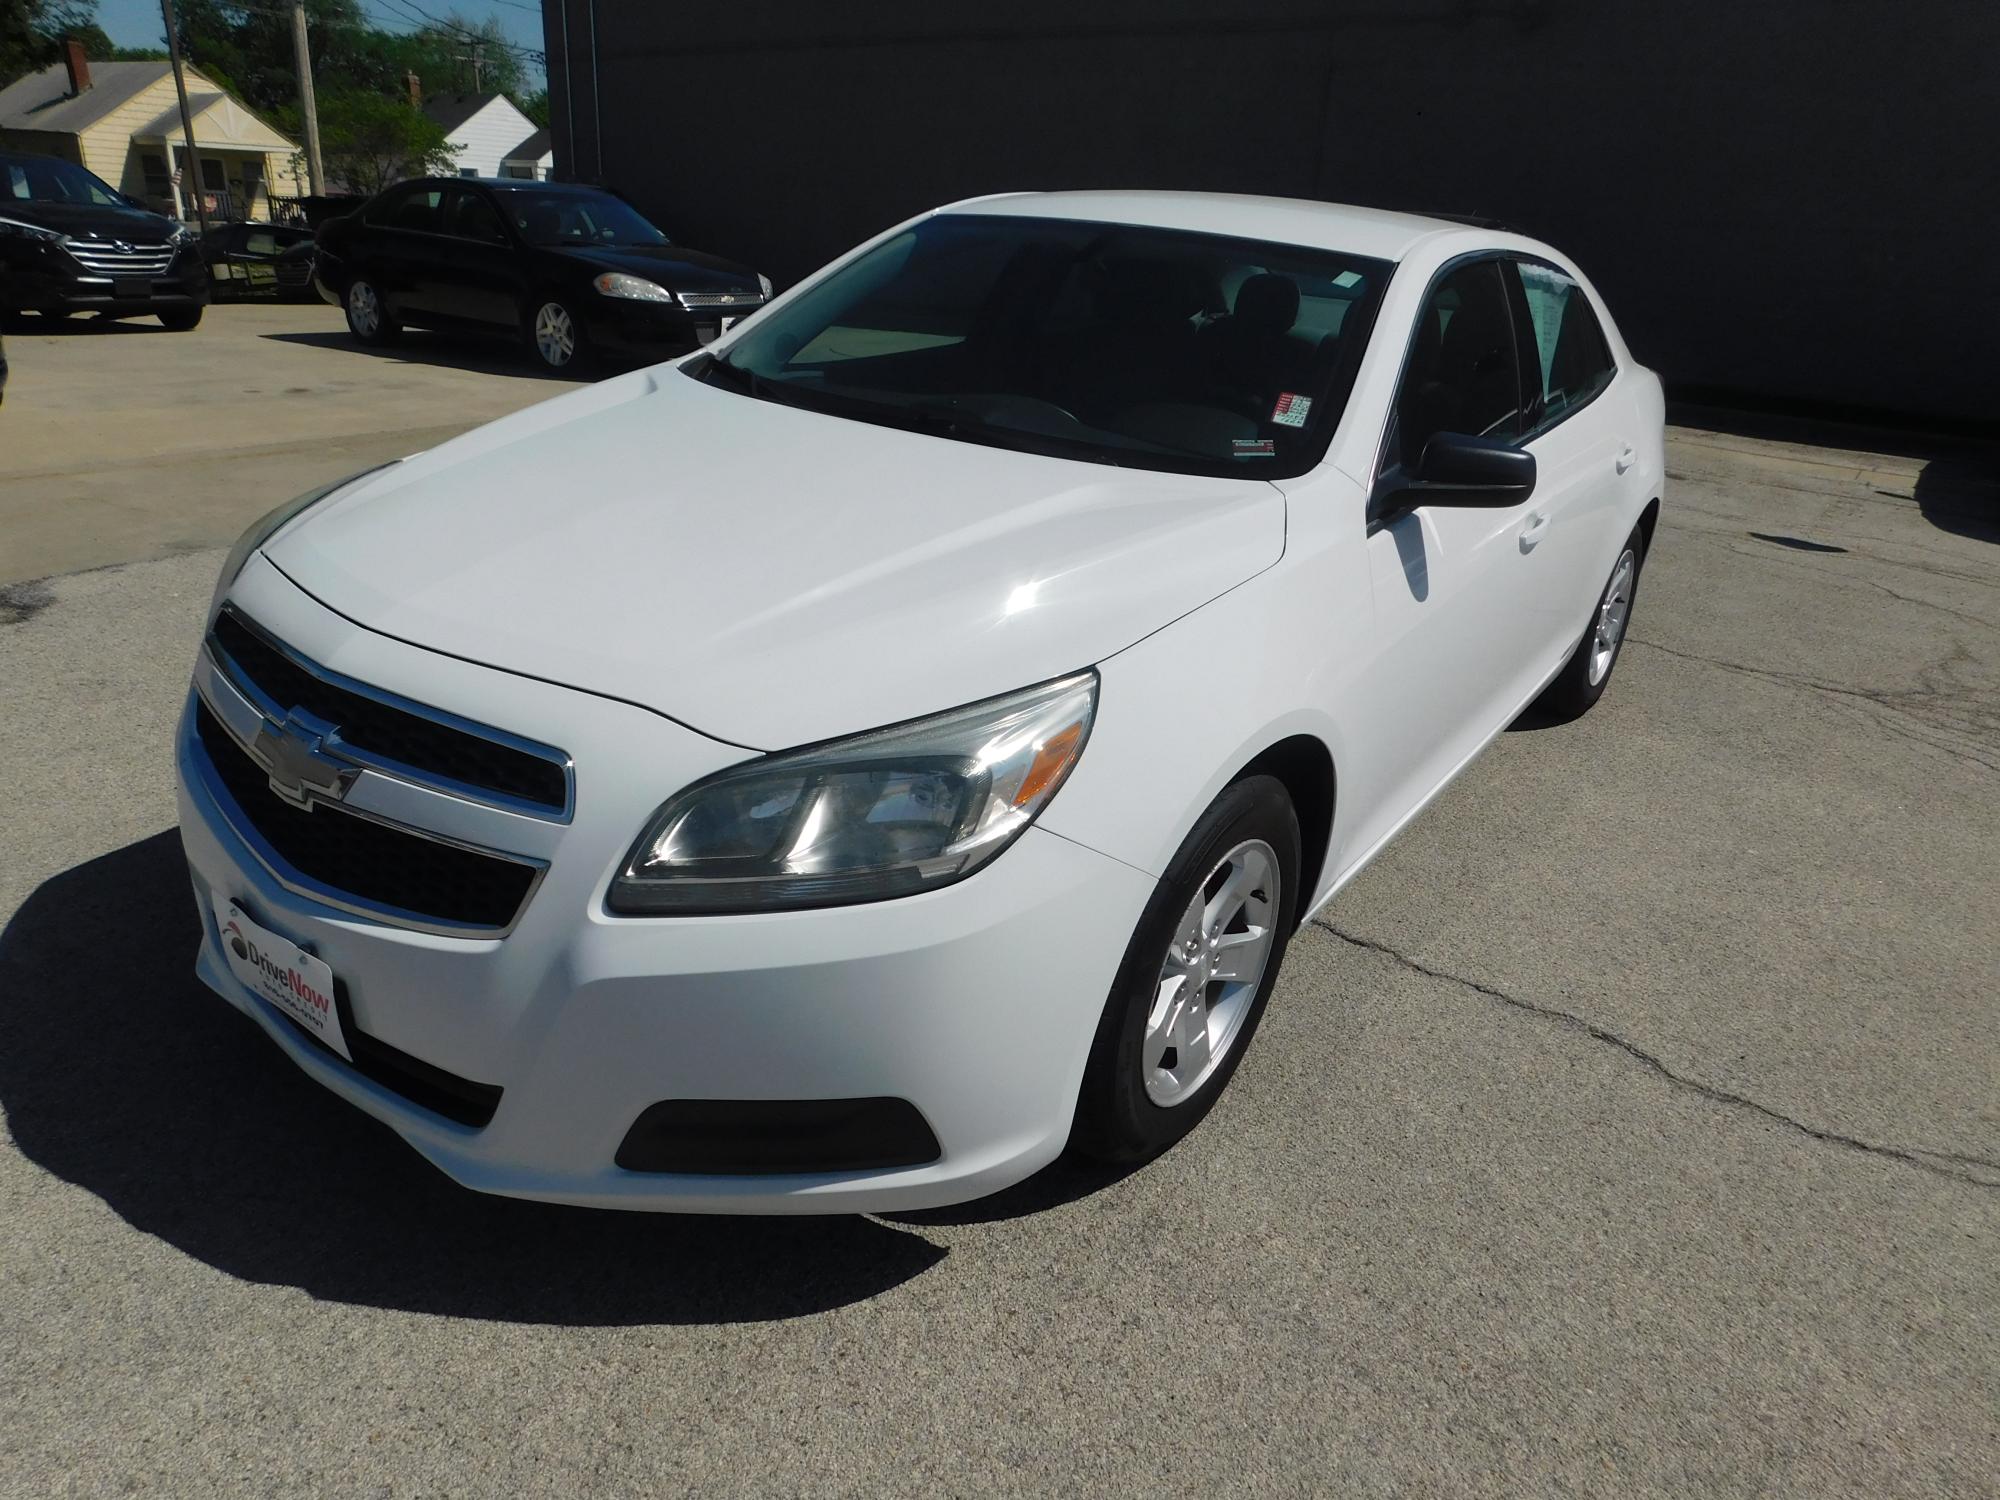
{"x":122,"y":121}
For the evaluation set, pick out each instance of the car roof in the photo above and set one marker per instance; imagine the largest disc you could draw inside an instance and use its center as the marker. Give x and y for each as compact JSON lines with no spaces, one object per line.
{"x":1374,"y":232}
{"x":505,"y":182}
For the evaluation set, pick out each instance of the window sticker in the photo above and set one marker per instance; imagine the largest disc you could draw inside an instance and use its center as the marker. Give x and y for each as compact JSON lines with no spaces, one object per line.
{"x":1291,"y":410}
{"x":1254,"y":447}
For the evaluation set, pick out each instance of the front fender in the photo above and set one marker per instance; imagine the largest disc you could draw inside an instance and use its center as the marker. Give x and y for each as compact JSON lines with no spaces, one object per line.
{"x":1182,"y":713}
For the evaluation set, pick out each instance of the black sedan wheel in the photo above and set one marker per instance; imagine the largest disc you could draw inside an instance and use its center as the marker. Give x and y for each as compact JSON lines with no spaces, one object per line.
{"x":556,"y":335}
{"x":367,"y":314}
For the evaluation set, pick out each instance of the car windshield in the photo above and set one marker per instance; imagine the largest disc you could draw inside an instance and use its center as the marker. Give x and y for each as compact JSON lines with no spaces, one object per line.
{"x":1151,"y":348}
{"x":41,"y":179}
{"x":546,"y":218}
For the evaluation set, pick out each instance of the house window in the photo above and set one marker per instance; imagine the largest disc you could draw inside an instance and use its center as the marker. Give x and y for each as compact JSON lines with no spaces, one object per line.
{"x":468,"y":171}
{"x":159,"y":181}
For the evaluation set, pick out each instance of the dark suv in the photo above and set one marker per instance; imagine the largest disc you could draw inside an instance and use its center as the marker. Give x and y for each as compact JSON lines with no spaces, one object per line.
{"x":570,"y":271}
{"x":70,"y":243}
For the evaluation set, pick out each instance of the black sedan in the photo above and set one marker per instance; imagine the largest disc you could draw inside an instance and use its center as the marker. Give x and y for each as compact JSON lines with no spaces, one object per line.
{"x":71,"y":243}
{"x":570,"y":271}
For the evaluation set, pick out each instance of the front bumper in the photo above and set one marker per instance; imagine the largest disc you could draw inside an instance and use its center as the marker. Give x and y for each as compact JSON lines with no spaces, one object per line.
{"x":655,"y":331}
{"x":976,"y":1003}
{"x":50,"y":286}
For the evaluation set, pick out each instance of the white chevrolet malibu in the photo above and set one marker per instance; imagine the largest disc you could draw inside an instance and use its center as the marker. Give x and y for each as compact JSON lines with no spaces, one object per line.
{"x":839,"y":769}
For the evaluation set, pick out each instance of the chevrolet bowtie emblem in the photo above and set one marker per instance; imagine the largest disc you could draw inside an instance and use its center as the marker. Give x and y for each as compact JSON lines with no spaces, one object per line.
{"x":302,"y":772}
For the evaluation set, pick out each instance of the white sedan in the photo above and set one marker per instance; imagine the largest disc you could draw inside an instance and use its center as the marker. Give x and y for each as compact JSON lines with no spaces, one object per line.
{"x":840,"y":769}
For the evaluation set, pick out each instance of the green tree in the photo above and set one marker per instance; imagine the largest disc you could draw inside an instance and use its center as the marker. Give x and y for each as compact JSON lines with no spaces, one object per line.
{"x":99,"y":47}
{"x":31,"y":32}
{"x":250,"y":44}
{"x":369,"y":140}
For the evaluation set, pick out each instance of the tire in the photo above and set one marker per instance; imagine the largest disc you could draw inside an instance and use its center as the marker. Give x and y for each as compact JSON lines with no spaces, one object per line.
{"x":368,"y":316}
{"x":1587,"y":673}
{"x":554,"y":336}
{"x":1139,"y":1094}
{"x":180,"y":319}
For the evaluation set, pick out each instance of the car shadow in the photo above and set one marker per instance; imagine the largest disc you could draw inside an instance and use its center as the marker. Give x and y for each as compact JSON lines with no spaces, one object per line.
{"x":83,"y":325}
{"x":485,"y":356}
{"x":1957,"y":490}
{"x":1064,"y":1180}
{"x":1961,"y":495}
{"x":122,"y":1074}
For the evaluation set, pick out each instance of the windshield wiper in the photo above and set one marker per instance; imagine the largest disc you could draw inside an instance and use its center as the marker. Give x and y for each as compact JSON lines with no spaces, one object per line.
{"x":734,"y":377}
{"x":945,"y":416}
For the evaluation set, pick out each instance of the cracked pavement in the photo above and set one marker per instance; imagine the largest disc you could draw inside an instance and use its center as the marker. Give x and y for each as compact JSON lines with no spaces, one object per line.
{"x":1630,"y":1127}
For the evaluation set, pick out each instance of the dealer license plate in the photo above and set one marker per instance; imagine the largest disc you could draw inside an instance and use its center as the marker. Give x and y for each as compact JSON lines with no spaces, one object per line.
{"x":283,"y":973}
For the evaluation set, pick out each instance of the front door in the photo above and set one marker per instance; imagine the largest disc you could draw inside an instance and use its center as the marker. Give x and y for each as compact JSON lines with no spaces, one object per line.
{"x":480,"y":284}
{"x":1454,"y":586}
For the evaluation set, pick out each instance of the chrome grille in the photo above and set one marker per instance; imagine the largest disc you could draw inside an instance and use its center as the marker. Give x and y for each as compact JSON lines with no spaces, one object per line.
{"x":745,"y":300}
{"x":422,"y":744}
{"x":120,"y":257}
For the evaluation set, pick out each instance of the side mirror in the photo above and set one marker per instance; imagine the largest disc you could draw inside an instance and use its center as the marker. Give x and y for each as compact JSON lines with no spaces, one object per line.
{"x":1459,"y":469}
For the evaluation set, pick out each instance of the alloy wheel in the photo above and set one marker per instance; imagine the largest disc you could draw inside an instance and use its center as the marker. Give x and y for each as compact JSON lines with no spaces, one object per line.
{"x":1611,"y":616}
{"x":555,"y":335}
{"x":364,"y":308}
{"x":1221,"y":948}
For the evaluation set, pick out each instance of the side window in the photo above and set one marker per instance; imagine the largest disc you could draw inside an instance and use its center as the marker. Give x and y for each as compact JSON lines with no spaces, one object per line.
{"x":1575,"y":360}
{"x":1463,"y":373}
{"x":409,"y":208}
{"x":471,"y":217}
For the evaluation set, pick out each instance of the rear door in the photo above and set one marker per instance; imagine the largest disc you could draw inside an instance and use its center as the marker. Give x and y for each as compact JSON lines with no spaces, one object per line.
{"x":1585,"y":444}
{"x":407,"y":248}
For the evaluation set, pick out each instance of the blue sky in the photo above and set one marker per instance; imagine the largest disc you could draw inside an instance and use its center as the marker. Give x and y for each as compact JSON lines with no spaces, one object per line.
{"x":136,"y":23}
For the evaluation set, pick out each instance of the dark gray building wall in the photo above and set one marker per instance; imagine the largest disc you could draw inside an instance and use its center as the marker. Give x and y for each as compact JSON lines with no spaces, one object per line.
{"x":1793,"y":200}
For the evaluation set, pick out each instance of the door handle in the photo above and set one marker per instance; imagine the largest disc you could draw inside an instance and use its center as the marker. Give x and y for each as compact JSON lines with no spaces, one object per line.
{"x":1534,"y":531}
{"x":1627,"y":456}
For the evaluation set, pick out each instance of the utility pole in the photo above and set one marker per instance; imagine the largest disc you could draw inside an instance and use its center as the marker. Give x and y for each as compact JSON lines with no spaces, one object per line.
{"x":477,"y":57}
{"x":308,"y":109}
{"x":187,"y":120}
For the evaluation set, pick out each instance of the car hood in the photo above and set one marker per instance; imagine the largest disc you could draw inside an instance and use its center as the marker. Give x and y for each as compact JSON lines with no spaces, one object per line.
{"x":767,"y":575}
{"x":91,"y":219}
{"x":676,"y":267}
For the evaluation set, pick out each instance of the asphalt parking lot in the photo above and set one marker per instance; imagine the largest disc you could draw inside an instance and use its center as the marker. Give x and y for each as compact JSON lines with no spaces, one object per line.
{"x":1631,"y":1127}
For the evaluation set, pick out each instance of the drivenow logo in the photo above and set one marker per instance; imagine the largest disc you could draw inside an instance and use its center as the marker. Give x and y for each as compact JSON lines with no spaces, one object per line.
{"x":284,"y":976}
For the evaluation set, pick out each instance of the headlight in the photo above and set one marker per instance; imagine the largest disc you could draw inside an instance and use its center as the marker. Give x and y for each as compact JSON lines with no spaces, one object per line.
{"x":764,"y":282}
{"x":180,"y":234}
{"x":631,"y":288}
{"x":266,"y":527}
{"x":14,"y":228}
{"x":884,"y":814}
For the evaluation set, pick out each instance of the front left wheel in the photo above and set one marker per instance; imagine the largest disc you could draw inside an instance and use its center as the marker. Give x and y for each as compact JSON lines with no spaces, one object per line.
{"x":1195,"y":978}
{"x":180,"y":319}
{"x":555,"y":334}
